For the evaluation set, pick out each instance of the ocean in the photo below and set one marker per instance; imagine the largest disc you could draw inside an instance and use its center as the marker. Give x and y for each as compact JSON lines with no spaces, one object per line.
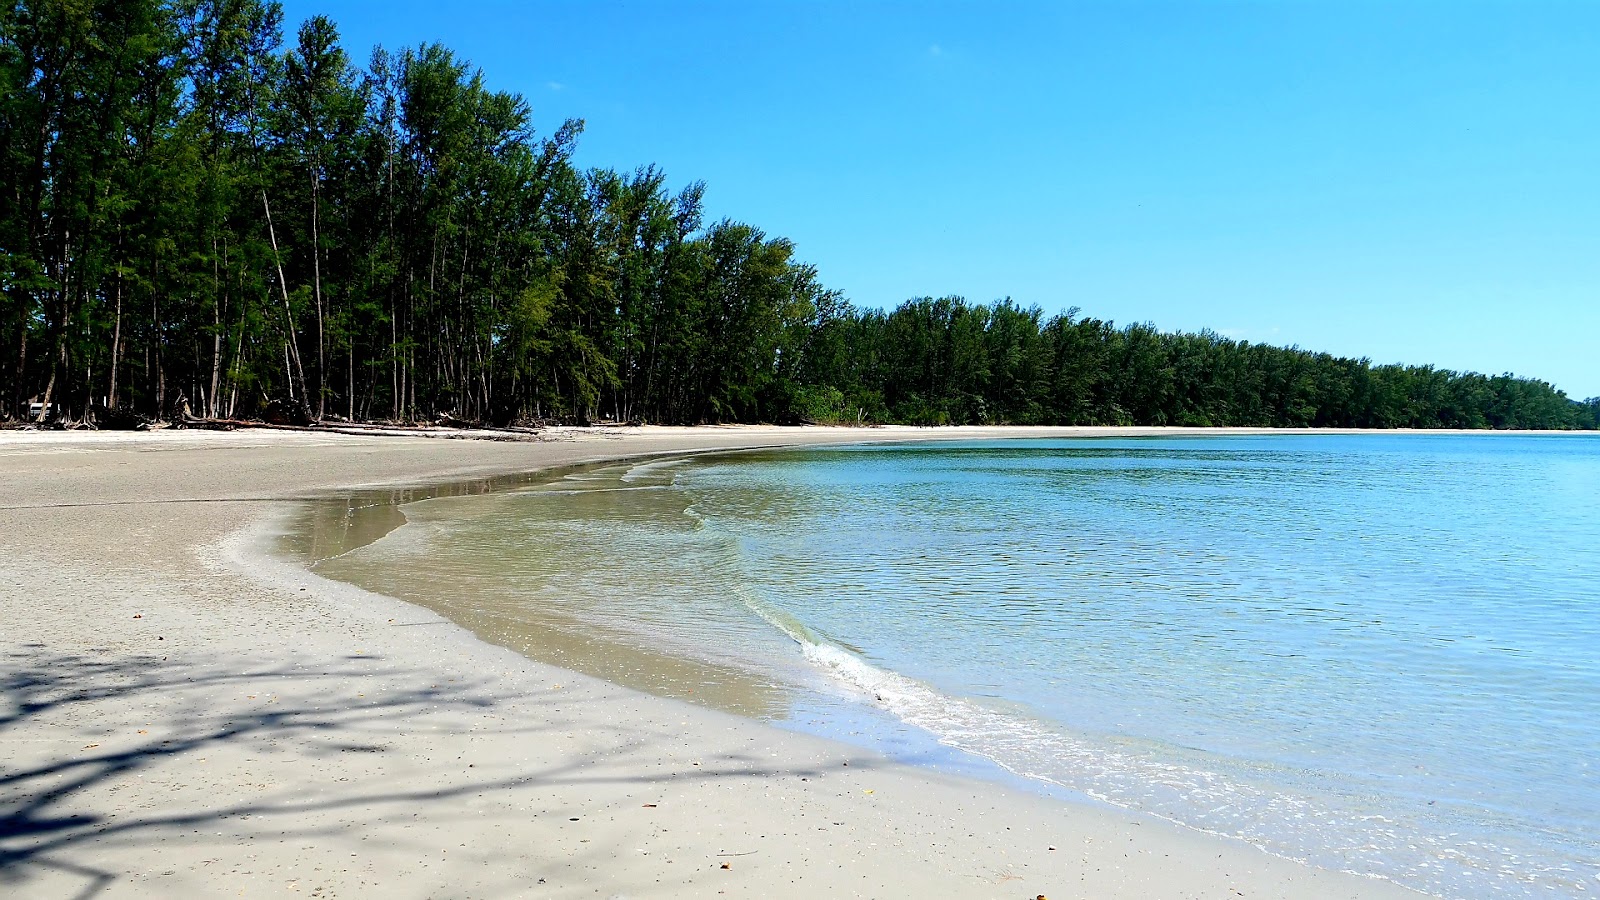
{"x":1375,"y":653}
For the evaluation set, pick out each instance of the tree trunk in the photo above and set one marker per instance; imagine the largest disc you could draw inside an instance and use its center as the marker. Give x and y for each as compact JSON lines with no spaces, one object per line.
{"x":394,"y":352}
{"x":316,"y":281}
{"x":217,"y":294}
{"x":19,"y":392}
{"x":50,"y":386}
{"x":238,"y":349}
{"x":291,"y":351}
{"x":116,"y":348}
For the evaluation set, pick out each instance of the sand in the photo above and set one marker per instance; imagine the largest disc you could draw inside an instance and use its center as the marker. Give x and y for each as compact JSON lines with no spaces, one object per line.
{"x":186,"y":715}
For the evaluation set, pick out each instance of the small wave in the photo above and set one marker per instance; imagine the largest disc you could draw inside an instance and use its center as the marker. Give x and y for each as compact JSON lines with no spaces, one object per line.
{"x":1194,"y":798}
{"x":569,"y":492}
{"x":651,"y":468}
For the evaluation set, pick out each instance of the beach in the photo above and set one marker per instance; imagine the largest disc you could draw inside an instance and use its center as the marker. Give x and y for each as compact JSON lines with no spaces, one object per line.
{"x":187,"y":714}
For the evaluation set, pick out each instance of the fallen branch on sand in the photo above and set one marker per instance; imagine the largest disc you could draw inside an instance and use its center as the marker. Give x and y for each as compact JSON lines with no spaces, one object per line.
{"x":461,"y":430}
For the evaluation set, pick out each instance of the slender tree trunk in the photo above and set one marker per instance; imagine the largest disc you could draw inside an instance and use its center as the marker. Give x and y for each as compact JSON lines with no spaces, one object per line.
{"x":394,"y":299}
{"x":463,"y":380}
{"x":217,"y":295}
{"x":56,"y":362}
{"x":394,"y":352}
{"x":160,"y":386}
{"x":316,"y":281}
{"x":238,"y":347}
{"x":291,"y":351}
{"x":439,"y":361}
{"x":403,"y":355}
{"x":116,"y":348}
{"x":19,"y":389}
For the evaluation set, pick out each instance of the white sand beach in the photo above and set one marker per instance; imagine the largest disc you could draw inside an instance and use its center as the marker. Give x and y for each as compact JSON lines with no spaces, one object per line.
{"x":185,"y":715}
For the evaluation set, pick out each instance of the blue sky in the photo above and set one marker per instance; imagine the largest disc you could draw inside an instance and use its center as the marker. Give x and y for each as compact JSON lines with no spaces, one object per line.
{"x":1412,"y":182}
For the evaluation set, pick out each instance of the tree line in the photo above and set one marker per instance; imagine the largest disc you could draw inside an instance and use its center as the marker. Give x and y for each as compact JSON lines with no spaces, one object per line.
{"x":197,"y":214}
{"x":938,"y":361}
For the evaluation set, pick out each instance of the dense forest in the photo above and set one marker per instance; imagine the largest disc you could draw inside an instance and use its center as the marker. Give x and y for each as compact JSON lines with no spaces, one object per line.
{"x":200,"y":215}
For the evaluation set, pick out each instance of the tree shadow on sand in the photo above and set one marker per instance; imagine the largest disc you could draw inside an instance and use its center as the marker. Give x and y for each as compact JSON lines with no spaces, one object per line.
{"x":55,"y":805}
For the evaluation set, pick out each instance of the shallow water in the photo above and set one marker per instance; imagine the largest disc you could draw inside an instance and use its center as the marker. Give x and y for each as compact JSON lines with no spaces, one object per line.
{"x":1375,"y":653}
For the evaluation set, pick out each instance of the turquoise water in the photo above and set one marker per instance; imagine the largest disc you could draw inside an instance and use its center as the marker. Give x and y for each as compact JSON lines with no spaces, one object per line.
{"x":1374,"y":653}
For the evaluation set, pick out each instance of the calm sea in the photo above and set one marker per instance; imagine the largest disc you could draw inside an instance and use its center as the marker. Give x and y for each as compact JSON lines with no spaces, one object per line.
{"x":1377,"y":653}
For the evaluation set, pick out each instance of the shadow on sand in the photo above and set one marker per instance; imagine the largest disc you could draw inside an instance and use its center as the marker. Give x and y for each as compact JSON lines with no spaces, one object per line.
{"x":59,"y":806}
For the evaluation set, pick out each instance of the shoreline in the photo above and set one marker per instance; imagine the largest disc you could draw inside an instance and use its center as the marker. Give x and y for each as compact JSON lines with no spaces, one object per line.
{"x":191,"y":716}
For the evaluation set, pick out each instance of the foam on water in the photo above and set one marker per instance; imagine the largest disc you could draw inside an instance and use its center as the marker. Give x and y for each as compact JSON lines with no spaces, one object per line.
{"x":910,"y":554}
{"x":1299,"y":827}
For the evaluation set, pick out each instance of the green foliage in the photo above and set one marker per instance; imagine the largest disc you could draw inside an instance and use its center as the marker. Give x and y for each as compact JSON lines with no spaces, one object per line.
{"x":823,"y":405}
{"x":946,"y":361}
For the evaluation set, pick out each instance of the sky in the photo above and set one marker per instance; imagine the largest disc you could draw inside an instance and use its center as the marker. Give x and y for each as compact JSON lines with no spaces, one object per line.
{"x":1412,"y":182}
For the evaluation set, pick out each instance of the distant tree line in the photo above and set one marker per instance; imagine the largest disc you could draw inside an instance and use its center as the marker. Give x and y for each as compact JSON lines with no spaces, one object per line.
{"x":947,"y":361}
{"x":194,"y":212}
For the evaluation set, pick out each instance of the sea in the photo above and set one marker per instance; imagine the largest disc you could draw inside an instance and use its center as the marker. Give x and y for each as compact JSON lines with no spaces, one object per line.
{"x":1377,"y":653}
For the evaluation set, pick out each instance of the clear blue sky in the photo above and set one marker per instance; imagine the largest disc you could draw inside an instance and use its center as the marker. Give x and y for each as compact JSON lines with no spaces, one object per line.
{"x":1412,"y":182}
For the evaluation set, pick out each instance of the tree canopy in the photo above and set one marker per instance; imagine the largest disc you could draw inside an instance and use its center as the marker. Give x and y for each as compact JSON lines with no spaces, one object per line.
{"x":195,"y":209}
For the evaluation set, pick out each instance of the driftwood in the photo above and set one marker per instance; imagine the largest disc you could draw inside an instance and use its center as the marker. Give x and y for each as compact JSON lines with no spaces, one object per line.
{"x":116,"y":418}
{"x":473,"y":432}
{"x":287,"y":412}
{"x":191,"y":421}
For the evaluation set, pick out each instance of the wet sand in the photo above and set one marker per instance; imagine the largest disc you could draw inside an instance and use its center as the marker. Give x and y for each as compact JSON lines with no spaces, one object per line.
{"x":186,"y":714}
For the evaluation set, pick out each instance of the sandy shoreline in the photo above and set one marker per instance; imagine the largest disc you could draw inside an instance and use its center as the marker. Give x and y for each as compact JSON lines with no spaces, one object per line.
{"x":186,"y":715}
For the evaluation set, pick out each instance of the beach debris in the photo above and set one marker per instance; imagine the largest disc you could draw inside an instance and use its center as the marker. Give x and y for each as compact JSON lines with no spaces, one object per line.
{"x":649,"y":806}
{"x":116,"y":418}
{"x":138,"y":615}
{"x":286,"y":412}
{"x":727,"y":865}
